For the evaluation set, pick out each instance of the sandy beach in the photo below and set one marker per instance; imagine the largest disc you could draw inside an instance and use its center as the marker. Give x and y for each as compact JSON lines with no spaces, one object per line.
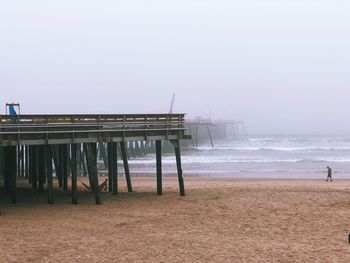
{"x":219,"y":220}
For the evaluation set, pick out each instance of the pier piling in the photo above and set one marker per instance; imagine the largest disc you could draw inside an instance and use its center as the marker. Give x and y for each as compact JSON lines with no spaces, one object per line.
{"x":159,"y":167}
{"x":48,"y":158}
{"x":74,"y":174}
{"x":41,"y":167}
{"x":178,"y":165}
{"x":126,"y":166}
{"x":65,"y":156}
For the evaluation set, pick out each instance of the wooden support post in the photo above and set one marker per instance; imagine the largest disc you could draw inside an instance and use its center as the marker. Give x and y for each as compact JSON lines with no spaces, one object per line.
{"x":65,"y":166}
{"x":159,"y":167}
{"x":10,"y":163}
{"x":59,"y":171}
{"x":115,"y":168}
{"x":22,"y":161}
{"x":179,"y":168}
{"x":90,"y":152}
{"x":18,"y":160}
{"x":126,"y":166}
{"x":109,"y":164}
{"x":35,"y":166}
{"x":112,"y":167}
{"x":26,"y":147}
{"x":74,"y":174}
{"x":69,"y":160}
{"x":41,"y":167}
{"x":30,"y":164}
{"x":48,"y":168}
{"x":210,"y":137}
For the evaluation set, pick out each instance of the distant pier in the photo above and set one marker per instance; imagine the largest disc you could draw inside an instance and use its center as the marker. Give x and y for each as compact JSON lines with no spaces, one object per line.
{"x":204,"y":130}
{"x":32,"y":145}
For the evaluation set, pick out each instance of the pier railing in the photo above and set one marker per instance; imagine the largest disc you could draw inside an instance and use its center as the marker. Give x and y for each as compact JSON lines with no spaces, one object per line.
{"x":57,"y":129}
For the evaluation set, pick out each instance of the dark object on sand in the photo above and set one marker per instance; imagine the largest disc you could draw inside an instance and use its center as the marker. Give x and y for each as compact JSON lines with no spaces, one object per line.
{"x":349,"y":238}
{"x":103,"y":186}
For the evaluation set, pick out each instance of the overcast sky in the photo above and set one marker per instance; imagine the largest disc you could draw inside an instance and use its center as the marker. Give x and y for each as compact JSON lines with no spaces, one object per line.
{"x":281,"y":66}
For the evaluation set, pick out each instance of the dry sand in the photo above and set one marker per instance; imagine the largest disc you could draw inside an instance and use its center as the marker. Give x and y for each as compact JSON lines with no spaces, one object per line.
{"x":220,"y":220}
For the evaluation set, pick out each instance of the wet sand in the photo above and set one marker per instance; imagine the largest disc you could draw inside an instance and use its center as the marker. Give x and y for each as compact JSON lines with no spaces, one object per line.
{"x":220,"y":220}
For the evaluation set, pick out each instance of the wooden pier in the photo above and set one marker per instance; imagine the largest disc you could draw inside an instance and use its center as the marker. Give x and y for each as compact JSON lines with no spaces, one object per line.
{"x":32,"y":145}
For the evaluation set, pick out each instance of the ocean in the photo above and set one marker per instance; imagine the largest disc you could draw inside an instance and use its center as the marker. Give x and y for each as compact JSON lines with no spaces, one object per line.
{"x":260,"y":157}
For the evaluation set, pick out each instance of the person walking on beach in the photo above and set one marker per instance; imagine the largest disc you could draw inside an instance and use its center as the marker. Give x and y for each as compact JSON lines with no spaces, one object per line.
{"x":329,"y":174}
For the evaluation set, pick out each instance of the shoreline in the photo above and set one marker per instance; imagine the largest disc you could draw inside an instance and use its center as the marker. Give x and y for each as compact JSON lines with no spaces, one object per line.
{"x":248,"y":175}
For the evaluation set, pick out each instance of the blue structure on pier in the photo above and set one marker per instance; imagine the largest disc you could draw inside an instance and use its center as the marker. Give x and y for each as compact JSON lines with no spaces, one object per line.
{"x":12,"y":110}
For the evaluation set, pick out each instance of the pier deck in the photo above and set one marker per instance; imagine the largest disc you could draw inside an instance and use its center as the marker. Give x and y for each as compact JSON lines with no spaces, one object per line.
{"x":61,"y":129}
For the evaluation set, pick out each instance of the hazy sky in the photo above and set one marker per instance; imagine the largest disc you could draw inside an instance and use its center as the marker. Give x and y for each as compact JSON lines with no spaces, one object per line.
{"x":282,"y":66}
